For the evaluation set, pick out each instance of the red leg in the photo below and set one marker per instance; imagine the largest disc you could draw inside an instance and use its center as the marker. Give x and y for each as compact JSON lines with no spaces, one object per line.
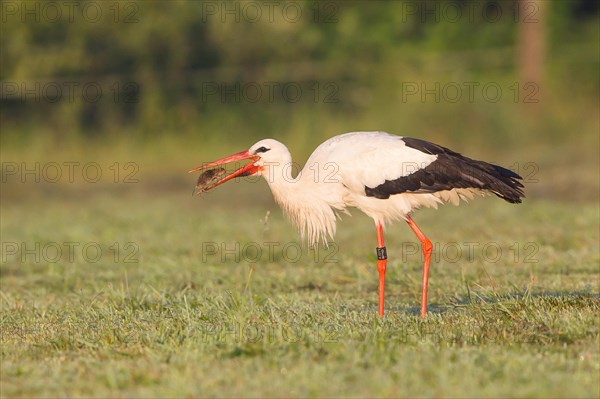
{"x":381,"y":264}
{"x":427,"y":248}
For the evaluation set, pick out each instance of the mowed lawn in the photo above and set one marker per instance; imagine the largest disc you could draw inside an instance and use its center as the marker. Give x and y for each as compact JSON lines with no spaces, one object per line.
{"x":152,"y":293}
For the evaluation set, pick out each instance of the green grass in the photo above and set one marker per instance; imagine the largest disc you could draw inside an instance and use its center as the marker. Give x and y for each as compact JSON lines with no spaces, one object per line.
{"x":179,"y":322}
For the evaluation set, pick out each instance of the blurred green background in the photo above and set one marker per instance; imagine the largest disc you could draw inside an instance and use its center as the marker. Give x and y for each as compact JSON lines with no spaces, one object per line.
{"x":168,"y":85}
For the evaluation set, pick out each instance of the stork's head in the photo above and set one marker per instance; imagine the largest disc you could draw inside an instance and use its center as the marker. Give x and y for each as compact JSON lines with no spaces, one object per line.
{"x":267,"y":157}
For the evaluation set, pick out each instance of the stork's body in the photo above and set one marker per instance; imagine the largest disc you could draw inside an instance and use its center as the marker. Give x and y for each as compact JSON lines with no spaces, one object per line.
{"x":383,"y":175}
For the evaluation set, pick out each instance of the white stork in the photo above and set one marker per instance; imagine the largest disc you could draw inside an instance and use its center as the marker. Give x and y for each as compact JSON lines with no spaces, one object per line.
{"x":384,"y":175}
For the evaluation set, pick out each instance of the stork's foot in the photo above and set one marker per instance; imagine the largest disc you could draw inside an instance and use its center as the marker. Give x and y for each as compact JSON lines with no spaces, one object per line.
{"x":381,"y":266}
{"x":427,"y":248}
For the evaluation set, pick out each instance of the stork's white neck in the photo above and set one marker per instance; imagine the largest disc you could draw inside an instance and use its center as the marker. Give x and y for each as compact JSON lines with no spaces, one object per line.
{"x":303,"y":200}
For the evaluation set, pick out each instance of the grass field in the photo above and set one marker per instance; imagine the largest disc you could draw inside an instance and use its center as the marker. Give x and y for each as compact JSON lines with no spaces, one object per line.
{"x":146,"y":293}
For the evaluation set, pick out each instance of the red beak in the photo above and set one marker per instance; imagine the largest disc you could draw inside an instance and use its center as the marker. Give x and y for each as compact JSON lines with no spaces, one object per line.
{"x":246,"y":170}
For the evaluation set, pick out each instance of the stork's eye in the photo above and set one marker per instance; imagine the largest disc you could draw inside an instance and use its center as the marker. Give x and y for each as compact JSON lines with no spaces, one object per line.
{"x":261,"y":149}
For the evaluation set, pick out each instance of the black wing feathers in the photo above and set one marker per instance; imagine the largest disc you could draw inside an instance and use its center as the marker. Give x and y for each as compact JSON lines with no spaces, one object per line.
{"x":451,"y":170}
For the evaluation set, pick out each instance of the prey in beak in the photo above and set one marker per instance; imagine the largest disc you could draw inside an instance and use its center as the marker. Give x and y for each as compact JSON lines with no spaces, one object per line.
{"x":213,"y":171}
{"x":207,"y":178}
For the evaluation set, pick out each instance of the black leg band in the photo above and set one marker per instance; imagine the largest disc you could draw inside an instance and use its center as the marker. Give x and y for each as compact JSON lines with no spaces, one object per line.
{"x":381,"y":253}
